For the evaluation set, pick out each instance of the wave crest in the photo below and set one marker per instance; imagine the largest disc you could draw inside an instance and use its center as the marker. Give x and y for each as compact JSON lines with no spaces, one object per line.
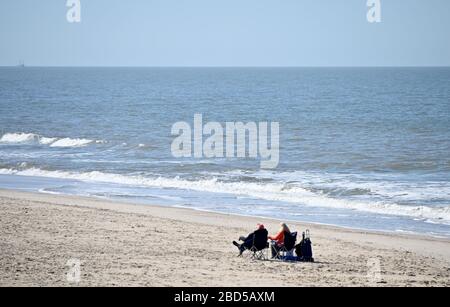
{"x":296,"y":195}
{"x":32,"y":138}
{"x":19,"y":138}
{"x":67,"y":142}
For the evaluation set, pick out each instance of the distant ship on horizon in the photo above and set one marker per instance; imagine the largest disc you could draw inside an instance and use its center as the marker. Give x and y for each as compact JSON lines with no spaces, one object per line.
{"x":21,"y":64}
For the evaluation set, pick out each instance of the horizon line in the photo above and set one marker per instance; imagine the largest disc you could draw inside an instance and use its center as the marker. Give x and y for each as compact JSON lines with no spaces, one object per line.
{"x":223,"y":66}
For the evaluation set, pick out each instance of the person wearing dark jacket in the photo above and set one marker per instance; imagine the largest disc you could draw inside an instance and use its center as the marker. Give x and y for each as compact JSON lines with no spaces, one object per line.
{"x":257,"y":239}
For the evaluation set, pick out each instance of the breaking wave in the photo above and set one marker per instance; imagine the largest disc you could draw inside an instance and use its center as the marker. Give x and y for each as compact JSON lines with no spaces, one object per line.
{"x":32,"y":138}
{"x":273,"y":191}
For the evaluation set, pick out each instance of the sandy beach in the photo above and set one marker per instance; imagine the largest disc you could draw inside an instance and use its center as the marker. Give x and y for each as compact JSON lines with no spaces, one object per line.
{"x":133,"y":245}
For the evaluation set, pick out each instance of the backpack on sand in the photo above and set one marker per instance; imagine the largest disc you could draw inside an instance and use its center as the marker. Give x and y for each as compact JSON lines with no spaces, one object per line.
{"x":304,"y":248}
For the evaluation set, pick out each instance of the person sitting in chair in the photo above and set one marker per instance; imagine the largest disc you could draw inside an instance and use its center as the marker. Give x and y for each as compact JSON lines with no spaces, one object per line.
{"x":278,"y":240}
{"x":249,"y":242}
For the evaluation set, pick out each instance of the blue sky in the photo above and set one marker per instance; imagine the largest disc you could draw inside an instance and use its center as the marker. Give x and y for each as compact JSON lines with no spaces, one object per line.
{"x":225,"y":33}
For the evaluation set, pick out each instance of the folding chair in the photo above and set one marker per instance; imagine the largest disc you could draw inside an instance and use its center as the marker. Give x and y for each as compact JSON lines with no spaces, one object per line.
{"x":258,"y":247}
{"x":258,"y":252}
{"x":286,"y":252}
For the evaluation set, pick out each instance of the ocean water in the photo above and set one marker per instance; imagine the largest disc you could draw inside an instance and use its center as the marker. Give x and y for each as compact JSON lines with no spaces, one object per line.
{"x":365,"y":148}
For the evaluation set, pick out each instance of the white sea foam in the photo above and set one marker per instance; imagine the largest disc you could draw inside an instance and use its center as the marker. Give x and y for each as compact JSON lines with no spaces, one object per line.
{"x":399,"y":189}
{"x":296,"y":195}
{"x":32,"y":138}
{"x":46,"y":191}
{"x":47,"y":141}
{"x":19,"y":138}
{"x":68,"y":142}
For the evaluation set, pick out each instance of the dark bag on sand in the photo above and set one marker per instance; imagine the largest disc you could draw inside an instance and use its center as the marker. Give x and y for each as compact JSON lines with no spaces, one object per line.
{"x":304,"y":249}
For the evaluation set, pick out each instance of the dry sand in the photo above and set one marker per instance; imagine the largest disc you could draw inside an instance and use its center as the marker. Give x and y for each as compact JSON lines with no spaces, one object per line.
{"x":133,"y":245}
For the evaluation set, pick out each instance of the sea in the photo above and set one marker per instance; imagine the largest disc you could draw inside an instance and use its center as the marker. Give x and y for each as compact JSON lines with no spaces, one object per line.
{"x":361,"y":148}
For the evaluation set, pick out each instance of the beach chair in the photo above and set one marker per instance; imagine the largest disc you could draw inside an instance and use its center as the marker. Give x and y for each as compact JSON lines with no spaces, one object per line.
{"x":257,"y":246}
{"x":286,"y":252}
